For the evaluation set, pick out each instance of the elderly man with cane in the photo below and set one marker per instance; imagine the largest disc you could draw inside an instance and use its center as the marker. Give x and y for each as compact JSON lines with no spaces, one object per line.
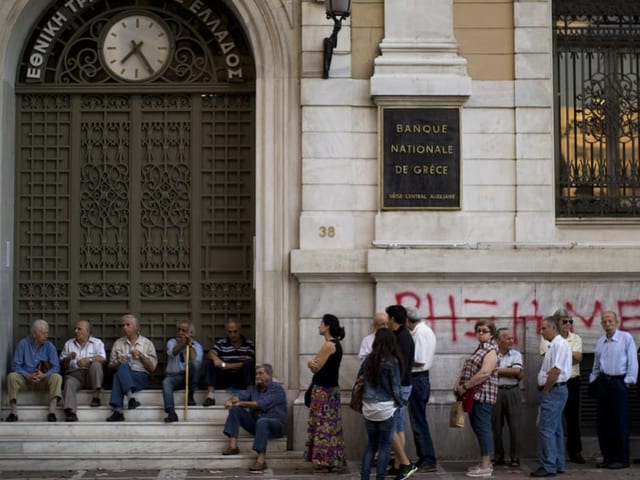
{"x":184,"y":359}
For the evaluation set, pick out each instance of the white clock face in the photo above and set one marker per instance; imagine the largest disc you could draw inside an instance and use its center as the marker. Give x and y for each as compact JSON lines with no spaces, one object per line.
{"x":136,"y":47}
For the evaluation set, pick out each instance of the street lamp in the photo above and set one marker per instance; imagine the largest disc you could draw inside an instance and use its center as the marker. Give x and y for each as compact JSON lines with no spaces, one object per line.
{"x":337,"y":10}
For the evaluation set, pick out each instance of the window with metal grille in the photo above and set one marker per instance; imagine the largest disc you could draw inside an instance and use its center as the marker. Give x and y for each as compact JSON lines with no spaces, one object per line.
{"x":597,"y":63}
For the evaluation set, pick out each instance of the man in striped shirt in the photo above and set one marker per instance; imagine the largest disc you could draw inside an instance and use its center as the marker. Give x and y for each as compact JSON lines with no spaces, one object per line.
{"x":230,"y":362}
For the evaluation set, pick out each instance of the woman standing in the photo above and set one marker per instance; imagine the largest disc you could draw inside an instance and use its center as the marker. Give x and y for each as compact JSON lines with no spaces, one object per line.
{"x":478,"y":387}
{"x":382,"y":372}
{"x":325,"y":442}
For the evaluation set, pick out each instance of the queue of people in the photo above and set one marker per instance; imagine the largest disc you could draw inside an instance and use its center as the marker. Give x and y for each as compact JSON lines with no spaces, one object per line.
{"x":395,"y":363}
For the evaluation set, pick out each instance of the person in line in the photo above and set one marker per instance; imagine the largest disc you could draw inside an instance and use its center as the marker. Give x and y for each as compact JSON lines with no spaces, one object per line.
{"x":552,"y":393}
{"x":230,"y":363}
{"x":571,"y":411}
{"x":477,"y":385}
{"x":424,"y":341}
{"x":381,"y":398}
{"x":261,"y":410}
{"x":380,"y":320}
{"x":82,"y":359}
{"x":35,"y":366}
{"x":134,"y":358}
{"x":615,"y":370}
{"x":177,"y":367}
{"x":509,"y":404}
{"x":402,"y":467}
{"x":324,"y":446}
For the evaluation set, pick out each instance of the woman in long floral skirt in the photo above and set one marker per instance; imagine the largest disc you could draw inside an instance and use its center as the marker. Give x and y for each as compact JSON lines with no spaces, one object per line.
{"x":325,"y":441}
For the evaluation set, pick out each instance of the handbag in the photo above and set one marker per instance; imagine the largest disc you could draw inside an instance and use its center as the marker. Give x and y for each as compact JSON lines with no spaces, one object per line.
{"x":456,"y":415}
{"x":307,"y":396}
{"x":356,"y":394}
{"x":467,"y":398}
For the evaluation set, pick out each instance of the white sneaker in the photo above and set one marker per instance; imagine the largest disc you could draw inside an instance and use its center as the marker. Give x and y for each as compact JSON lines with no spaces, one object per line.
{"x":473,"y":468}
{"x":480,"y":472}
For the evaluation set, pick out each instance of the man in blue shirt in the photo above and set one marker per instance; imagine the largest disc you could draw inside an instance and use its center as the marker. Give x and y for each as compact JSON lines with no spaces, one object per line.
{"x":261,"y":410}
{"x":35,"y":366}
{"x":615,"y":369}
{"x":176,"y":368}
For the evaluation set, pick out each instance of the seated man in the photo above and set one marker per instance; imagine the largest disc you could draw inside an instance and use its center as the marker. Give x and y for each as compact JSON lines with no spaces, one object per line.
{"x":133,"y":357}
{"x":82,"y":358}
{"x":230,"y":362}
{"x":261,"y":410}
{"x":176,"y":368}
{"x":35,"y":366}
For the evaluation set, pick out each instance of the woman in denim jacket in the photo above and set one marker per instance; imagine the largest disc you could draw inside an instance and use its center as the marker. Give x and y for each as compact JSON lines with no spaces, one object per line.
{"x":381,"y":398}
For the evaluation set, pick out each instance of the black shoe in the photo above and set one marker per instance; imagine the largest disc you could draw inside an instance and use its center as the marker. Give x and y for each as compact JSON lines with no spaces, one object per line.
{"x":541,"y":472}
{"x":209,"y":402}
{"x":12,"y":417}
{"x":70,"y":417}
{"x":95,"y":402}
{"x":133,"y":404}
{"x":116,"y":417}
{"x":171,"y":417}
{"x":577,"y":458}
{"x":406,"y":471}
{"x":602,"y":465}
{"x":617,"y":466}
{"x":515,"y":463}
{"x":51,"y":417}
{"x":392,"y":471}
{"x":499,"y":461}
{"x":191,"y":402}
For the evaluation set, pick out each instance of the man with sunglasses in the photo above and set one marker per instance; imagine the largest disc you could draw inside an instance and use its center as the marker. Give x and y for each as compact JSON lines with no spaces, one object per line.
{"x":571,"y":411}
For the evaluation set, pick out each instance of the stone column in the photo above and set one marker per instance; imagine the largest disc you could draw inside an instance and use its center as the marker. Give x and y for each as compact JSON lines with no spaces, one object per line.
{"x":419,"y":55}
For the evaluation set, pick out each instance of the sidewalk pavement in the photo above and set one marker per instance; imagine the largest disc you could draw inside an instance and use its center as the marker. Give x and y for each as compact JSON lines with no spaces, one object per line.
{"x":446,"y":470}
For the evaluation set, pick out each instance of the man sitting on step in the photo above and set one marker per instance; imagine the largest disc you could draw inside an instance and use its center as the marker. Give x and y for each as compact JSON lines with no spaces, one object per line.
{"x":261,"y":410}
{"x":133,"y":357}
{"x":176,"y":367}
{"x":35,"y":366}
{"x":230,"y":363}
{"x":82,"y":358}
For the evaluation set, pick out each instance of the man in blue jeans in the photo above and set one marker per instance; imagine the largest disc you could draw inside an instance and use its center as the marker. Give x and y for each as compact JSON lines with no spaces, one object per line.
{"x":176,"y":367}
{"x":552,"y":386}
{"x":424,"y":341}
{"x":261,"y":410}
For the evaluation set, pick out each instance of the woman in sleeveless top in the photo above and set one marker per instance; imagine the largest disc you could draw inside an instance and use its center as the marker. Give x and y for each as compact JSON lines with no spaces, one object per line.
{"x":325,"y":442}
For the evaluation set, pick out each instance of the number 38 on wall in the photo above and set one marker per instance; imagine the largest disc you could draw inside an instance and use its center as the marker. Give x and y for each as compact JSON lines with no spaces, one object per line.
{"x":325,"y":231}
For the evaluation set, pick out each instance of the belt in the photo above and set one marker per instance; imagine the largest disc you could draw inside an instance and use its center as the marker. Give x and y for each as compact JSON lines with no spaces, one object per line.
{"x":612,"y":377}
{"x":424,"y":373}
{"x":506,"y":387}
{"x":557,"y":384}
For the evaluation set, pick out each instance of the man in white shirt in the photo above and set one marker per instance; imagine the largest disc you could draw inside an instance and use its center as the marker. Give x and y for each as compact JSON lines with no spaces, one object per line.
{"x":552,"y":385}
{"x":424,"y":341}
{"x":82,"y":359}
{"x":380,"y":320}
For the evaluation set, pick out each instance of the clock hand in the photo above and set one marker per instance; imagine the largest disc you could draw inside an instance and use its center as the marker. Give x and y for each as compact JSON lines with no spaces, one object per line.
{"x":144,"y":59}
{"x":133,"y":50}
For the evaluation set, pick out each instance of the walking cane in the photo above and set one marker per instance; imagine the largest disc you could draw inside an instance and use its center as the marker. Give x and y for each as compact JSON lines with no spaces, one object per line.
{"x":186,"y":382}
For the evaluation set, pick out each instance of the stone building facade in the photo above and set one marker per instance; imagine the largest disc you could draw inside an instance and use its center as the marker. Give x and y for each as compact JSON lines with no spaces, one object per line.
{"x":323,"y":241}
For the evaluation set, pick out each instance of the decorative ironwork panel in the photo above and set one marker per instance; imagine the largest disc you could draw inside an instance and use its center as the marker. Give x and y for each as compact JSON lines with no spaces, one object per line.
{"x":43,"y":175}
{"x":68,"y":46}
{"x":597,"y":77}
{"x":227,"y":206}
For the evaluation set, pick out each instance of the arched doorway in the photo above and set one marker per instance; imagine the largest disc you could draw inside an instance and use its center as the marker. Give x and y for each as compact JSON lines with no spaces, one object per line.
{"x":135,"y":183}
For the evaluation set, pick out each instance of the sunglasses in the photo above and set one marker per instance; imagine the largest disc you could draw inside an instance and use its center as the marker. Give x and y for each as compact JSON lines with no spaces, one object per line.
{"x":570,"y":321}
{"x":482,"y":330}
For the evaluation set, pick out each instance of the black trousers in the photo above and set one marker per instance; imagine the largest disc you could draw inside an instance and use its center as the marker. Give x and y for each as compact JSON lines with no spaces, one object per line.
{"x":572,"y":418}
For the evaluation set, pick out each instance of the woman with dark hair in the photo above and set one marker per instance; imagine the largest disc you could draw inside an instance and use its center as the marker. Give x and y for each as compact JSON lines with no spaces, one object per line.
{"x":325,"y":442}
{"x":381,"y":398}
{"x":477,"y":385}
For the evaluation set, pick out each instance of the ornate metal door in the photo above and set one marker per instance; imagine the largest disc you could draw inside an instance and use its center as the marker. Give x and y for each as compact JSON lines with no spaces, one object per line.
{"x":135,"y":198}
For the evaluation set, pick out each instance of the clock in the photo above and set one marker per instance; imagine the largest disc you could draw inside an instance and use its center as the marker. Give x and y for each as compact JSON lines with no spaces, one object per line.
{"x":136,"y":47}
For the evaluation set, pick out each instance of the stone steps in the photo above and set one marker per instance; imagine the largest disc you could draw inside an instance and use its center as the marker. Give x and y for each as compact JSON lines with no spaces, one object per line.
{"x":143,"y":440}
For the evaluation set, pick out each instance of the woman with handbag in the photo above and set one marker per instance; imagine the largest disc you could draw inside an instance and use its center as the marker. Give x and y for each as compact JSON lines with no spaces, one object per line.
{"x":477,"y":386}
{"x":381,"y":371}
{"x":325,"y":441}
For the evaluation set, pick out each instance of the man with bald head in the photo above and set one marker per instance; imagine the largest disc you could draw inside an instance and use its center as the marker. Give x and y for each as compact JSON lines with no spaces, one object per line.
{"x":82,"y":359}
{"x":380,"y":320}
{"x":615,"y":369}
